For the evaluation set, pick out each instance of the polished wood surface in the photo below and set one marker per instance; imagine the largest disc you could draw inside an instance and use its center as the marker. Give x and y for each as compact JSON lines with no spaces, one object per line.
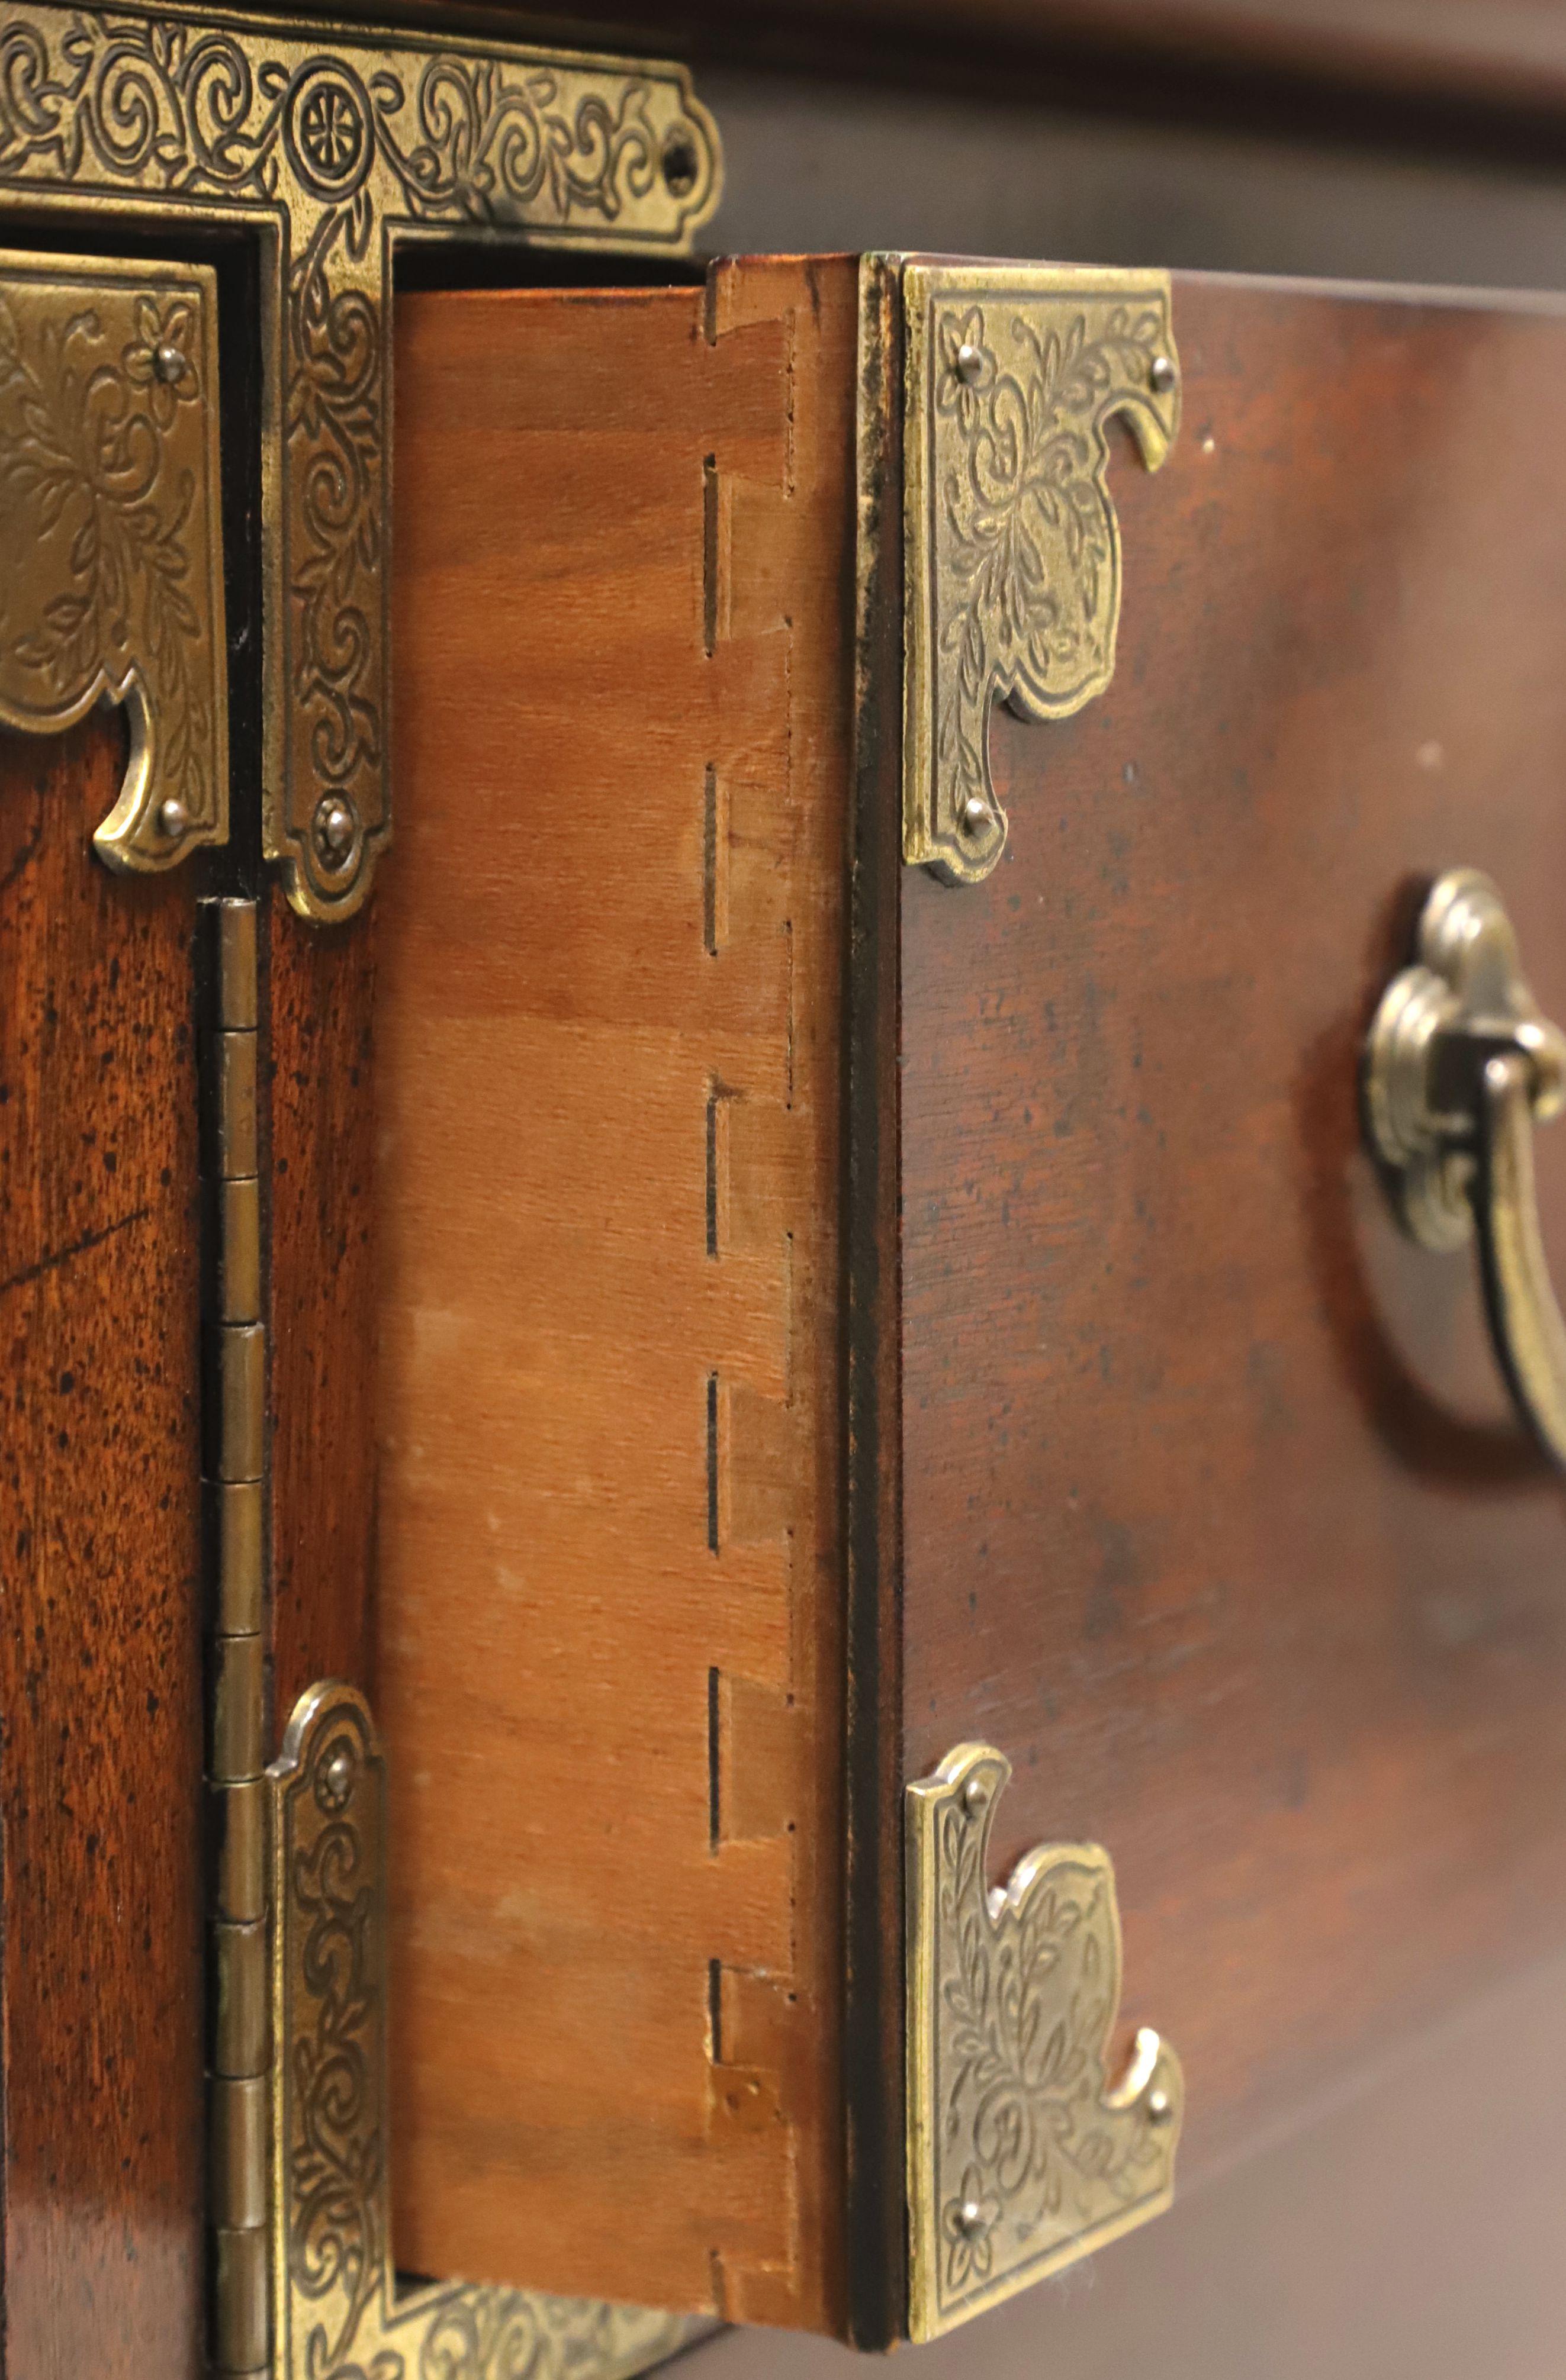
{"x":1217,"y":1517}
{"x":319,"y":1120}
{"x":100,"y":1649}
{"x":608,"y":1050}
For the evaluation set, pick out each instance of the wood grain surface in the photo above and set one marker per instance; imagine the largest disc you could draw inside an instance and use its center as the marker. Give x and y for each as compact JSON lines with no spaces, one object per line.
{"x":319,"y":1120}
{"x":1217,"y":1517}
{"x":608,"y":1048}
{"x":100,"y":1645}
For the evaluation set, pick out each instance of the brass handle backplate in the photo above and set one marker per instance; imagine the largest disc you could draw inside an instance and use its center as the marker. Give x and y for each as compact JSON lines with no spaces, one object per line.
{"x":1458,"y":1066}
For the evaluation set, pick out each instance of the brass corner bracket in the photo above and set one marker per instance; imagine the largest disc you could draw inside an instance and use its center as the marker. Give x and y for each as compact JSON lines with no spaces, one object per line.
{"x":1022,"y":2154}
{"x":111,"y":539}
{"x":336,"y":2311}
{"x":1011,"y":547}
{"x":332,"y":147}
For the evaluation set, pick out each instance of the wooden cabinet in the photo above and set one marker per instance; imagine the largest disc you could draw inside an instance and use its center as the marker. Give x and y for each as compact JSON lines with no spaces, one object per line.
{"x":862,"y":1608}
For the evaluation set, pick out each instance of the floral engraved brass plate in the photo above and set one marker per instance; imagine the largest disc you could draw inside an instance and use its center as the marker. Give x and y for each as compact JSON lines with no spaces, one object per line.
{"x":1011,"y":548}
{"x":336,"y":2311}
{"x":111,"y":556}
{"x":1022,"y":2155}
{"x":332,"y":146}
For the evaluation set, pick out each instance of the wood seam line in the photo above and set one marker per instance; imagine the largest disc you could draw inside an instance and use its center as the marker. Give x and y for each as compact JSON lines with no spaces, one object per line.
{"x":234,"y":1410}
{"x":723,"y":1447}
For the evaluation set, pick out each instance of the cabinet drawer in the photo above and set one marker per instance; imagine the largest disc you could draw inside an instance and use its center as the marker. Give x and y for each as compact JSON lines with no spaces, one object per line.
{"x":830,"y":1315}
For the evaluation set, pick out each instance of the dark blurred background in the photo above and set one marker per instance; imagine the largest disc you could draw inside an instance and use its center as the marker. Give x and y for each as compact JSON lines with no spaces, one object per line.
{"x":1385,"y":140}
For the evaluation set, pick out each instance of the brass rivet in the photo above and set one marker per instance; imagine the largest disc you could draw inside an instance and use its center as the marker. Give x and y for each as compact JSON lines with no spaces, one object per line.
{"x":335,"y":826}
{"x":337,"y":1778}
{"x":971,"y":2219}
{"x":168,"y":364}
{"x":1161,"y":375}
{"x":975,"y":1796}
{"x":1159,"y":2110}
{"x":976,"y":814}
{"x":173,"y":817}
{"x":970,"y":363}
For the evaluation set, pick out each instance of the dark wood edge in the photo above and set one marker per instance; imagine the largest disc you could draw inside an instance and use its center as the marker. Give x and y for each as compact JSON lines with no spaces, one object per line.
{"x":872,"y":2029}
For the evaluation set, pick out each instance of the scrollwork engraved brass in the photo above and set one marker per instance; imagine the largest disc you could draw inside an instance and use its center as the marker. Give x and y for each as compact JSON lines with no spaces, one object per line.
{"x":336,"y":2309}
{"x":1011,"y":546}
{"x":111,"y":560}
{"x":333,"y":146}
{"x":1022,"y":2154}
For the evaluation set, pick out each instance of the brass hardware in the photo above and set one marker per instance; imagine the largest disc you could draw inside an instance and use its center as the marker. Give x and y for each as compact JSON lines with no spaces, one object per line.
{"x":239,"y":988}
{"x":238,"y":2193}
{"x":239,"y":2046}
{"x":239,"y":1976}
{"x":332,"y":146}
{"x":233,"y":1521}
{"x":336,"y":2309}
{"x":239,"y":1856}
{"x":234,"y":1065}
{"x":241,"y":2332}
{"x":241,"y":1356}
{"x":1022,"y":2155}
{"x":238,"y":1251}
{"x":1011,"y":547}
{"x":237,"y":1745}
{"x":111,"y":538}
{"x":1460,"y":1065}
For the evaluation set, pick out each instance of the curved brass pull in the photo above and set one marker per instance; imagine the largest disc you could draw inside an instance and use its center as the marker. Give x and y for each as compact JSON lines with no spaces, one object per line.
{"x":1460,"y":1067}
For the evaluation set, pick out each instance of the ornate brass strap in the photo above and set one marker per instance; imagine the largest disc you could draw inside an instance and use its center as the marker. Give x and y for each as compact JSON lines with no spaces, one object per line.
{"x":1022,"y":2154}
{"x":1458,"y":1066}
{"x":1011,"y":548}
{"x":110,"y":535}
{"x":330,"y":147}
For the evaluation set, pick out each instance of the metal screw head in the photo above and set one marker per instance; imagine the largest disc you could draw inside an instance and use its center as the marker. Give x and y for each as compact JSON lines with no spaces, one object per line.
{"x":169,"y":363}
{"x":971,"y":2219}
{"x":976,"y":815}
{"x":975,"y":1796}
{"x":335,"y":825}
{"x":1159,"y":2106}
{"x":969,"y":363}
{"x":1161,"y":375}
{"x":173,"y":817}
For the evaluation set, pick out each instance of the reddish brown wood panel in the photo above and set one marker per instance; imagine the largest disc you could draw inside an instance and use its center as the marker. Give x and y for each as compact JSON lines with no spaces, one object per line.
{"x":99,"y":1625}
{"x":608,"y":1022}
{"x":318,"y":1045}
{"x":1217,"y":1519}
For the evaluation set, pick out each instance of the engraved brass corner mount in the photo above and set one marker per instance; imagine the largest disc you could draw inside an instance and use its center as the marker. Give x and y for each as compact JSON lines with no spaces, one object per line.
{"x":330,"y":147}
{"x":1011,"y":546}
{"x":111,"y":542}
{"x":336,"y":2311}
{"x":1022,"y":2154}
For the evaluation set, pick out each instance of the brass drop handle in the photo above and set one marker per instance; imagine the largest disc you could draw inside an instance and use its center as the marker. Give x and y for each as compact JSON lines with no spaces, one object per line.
{"x":1460,"y":1065}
